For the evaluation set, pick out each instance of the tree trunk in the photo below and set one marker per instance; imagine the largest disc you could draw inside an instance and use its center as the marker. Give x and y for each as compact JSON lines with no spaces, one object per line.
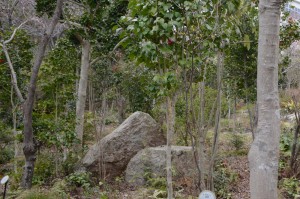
{"x":29,"y":148}
{"x":202,"y":157}
{"x":264,"y":152}
{"x":210,"y":183}
{"x":82,"y":88}
{"x":14,"y":120}
{"x":170,"y":132}
{"x":121,"y":104}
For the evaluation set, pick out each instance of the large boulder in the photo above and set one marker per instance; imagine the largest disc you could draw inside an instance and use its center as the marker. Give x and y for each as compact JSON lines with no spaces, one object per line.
{"x":112,"y":153}
{"x":150,"y":163}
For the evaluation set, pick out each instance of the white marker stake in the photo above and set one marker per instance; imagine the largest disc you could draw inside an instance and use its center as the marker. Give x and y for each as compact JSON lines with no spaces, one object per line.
{"x":207,"y":195}
{"x":4,"y":180}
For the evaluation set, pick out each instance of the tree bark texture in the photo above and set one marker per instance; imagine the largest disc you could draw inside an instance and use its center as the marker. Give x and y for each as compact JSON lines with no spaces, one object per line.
{"x":29,"y":148}
{"x":264,"y":152}
{"x":82,"y":88}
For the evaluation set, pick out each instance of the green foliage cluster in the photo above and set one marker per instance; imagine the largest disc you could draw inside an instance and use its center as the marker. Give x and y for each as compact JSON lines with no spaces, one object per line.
{"x":286,"y":141}
{"x":155,"y":182}
{"x":289,"y":31}
{"x":137,"y":85}
{"x":240,"y":63}
{"x":224,"y":181}
{"x":237,"y":141}
{"x":79,"y":179}
{"x":45,"y":7}
{"x":6,"y":138}
{"x":6,"y":154}
{"x":158,"y":184}
{"x":54,"y":117}
{"x":289,"y":185}
{"x":20,"y":52}
{"x":44,"y":170}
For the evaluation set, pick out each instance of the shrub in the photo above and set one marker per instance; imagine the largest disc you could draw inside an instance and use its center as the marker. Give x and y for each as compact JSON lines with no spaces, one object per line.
{"x":68,"y":166}
{"x":44,"y":169}
{"x":6,"y":155}
{"x":236,"y":140}
{"x":224,"y":180}
{"x":291,"y":187}
{"x":79,"y":179}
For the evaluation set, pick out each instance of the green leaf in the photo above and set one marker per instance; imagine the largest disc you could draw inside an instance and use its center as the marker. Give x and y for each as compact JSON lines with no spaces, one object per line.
{"x":182,"y":62}
{"x":165,"y":50}
{"x":130,"y":27}
{"x":230,"y":6}
{"x":208,"y":27}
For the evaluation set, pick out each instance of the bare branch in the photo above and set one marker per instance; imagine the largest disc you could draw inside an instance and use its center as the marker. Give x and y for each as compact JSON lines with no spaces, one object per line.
{"x":14,"y":33}
{"x":120,"y":42}
{"x":95,"y":60}
{"x":13,"y":74}
{"x":71,"y":23}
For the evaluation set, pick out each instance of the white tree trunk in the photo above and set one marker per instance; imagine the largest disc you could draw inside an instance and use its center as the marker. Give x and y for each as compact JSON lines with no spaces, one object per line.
{"x":82,"y":88}
{"x":264,"y":152}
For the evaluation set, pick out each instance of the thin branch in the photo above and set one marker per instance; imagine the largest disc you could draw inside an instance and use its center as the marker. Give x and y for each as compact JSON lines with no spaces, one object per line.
{"x":13,"y":74}
{"x":120,"y":42}
{"x":71,"y":23}
{"x":95,"y":60}
{"x":15,"y":31}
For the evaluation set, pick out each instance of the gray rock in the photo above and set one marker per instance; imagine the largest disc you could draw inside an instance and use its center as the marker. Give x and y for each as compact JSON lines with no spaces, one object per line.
{"x":112,"y":153}
{"x":151,"y":162}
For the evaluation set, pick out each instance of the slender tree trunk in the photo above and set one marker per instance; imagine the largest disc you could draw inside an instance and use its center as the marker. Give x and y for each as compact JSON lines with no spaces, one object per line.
{"x":202,"y":157}
{"x":264,"y":152}
{"x":100,"y":131}
{"x":170,"y":132}
{"x":295,"y":145}
{"x":234,"y":115}
{"x":14,"y":120}
{"x":91,"y":94}
{"x":217,"y":120}
{"x":29,"y":148}
{"x":82,"y":89}
{"x":121,"y":104}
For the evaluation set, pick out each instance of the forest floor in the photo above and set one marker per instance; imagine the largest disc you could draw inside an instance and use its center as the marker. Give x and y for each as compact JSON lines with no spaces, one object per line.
{"x":232,"y":155}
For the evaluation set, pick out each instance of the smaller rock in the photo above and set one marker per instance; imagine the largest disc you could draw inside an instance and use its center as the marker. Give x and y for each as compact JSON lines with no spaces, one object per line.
{"x":151,"y":163}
